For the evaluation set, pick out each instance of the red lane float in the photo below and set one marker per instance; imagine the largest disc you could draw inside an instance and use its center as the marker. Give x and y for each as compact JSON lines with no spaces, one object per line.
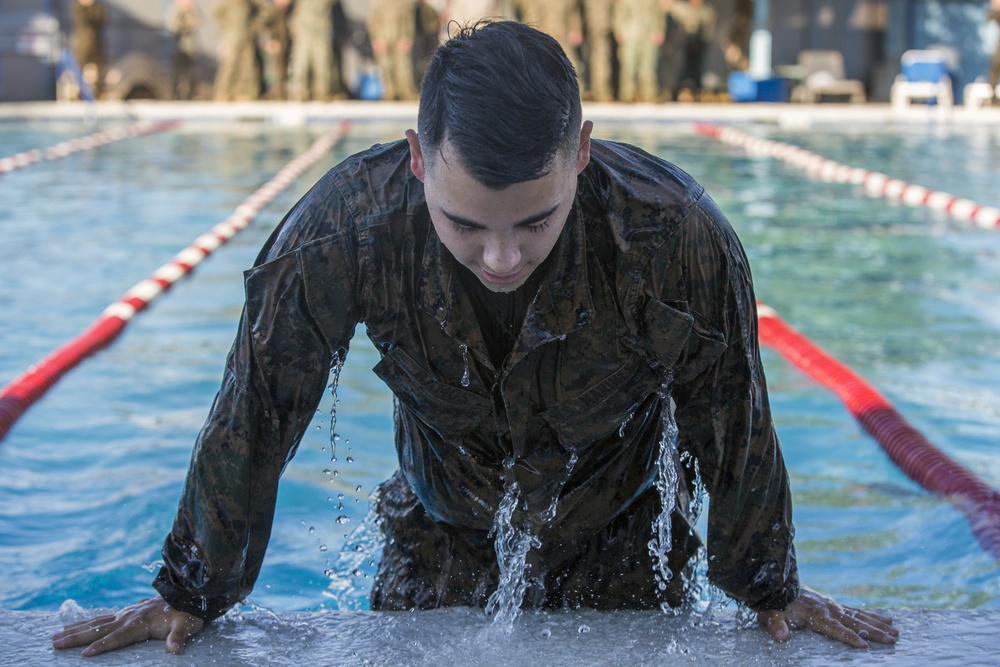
{"x":27,"y":388}
{"x":921,"y":461}
{"x":71,"y":146}
{"x":874,"y":183}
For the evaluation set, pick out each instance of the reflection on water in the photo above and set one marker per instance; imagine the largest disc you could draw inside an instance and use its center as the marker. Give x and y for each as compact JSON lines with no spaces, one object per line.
{"x":89,"y":478}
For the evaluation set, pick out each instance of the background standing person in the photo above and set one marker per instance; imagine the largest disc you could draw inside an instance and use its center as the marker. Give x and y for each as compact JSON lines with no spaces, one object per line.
{"x":427,"y":35}
{"x":694,"y":22}
{"x":392,"y":27}
{"x":597,"y":21}
{"x":238,"y":76}
{"x":183,"y":23}
{"x":559,"y":18}
{"x":277,"y":41}
{"x":89,"y":17}
{"x":314,"y":74}
{"x":638,"y":26}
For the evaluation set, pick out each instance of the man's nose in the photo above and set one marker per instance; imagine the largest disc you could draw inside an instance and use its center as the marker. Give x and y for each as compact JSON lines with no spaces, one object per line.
{"x":501,"y":255}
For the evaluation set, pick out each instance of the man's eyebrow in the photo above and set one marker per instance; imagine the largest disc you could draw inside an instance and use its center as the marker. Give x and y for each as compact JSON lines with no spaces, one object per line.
{"x":530,"y":221}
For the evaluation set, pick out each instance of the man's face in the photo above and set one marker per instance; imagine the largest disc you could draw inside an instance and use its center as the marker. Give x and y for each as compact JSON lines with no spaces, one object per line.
{"x":501,"y":235}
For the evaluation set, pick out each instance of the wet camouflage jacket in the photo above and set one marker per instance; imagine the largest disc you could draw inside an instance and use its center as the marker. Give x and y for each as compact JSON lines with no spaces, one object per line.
{"x":648,"y":282}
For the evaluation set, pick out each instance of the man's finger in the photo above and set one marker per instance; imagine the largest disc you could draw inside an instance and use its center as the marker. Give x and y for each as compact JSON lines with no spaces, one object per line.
{"x":87,"y":634}
{"x":872,"y":617}
{"x":72,"y":628}
{"x":180,"y":630}
{"x":124,"y":636}
{"x":777,"y":626}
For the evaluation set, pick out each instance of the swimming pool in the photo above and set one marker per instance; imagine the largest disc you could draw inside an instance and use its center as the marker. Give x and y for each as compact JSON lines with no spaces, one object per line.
{"x":90,"y":476}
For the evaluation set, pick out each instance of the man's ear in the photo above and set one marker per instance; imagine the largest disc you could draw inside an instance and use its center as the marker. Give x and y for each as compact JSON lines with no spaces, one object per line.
{"x":583,"y":153}
{"x":416,"y":157}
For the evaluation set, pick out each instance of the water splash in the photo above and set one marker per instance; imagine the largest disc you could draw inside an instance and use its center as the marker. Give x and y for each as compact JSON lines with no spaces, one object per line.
{"x":354,"y":565}
{"x":666,"y":485}
{"x":465,"y":362}
{"x":625,"y":422}
{"x":336,"y":366}
{"x":698,"y":493}
{"x":512,"y":545}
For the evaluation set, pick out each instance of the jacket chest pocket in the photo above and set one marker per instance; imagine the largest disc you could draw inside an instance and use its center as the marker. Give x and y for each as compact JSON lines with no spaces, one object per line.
{"x":450,"y":411}
{"x":601,"y":411}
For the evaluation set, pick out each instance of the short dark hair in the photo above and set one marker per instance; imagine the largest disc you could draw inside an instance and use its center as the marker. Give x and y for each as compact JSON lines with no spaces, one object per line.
{"x":507,"y":99}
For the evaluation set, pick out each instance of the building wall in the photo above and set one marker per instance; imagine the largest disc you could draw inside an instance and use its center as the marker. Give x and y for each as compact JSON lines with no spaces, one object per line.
{"x":873,"y":34}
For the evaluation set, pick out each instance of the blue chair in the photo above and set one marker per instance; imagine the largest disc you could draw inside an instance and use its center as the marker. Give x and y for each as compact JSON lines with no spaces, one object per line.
{"x":924,"y":77}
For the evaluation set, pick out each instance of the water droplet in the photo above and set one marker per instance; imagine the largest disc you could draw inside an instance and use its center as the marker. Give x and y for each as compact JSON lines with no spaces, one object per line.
{"x":327,"y":471}
{"x":357,"y":489}
{"x":343,"y":518}
{"x":583,"y":629}
{"x":350,"y":459}
{"x":312,"y":529}
{"x":465,"y":362}
{"x":546,"y":633}
{"x":322,"y":547}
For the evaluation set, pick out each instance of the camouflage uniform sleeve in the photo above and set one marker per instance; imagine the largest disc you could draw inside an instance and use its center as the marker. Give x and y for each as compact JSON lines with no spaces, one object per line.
{"x":299,"y":310}
{"x":723,"y":414}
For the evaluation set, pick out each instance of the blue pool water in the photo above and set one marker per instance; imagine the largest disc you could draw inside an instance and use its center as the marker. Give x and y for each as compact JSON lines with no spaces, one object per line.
{"x":90,"y":476}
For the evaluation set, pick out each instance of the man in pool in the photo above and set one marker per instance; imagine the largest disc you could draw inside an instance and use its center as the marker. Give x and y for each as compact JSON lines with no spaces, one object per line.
{"x":548,"y":308}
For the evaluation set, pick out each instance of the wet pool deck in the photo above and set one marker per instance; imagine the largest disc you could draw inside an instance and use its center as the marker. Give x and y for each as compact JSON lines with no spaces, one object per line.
{"x":292,"y":114}
{"x":460,"y":637}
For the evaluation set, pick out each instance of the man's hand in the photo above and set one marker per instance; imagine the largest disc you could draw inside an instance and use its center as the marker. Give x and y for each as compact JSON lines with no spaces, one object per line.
{"x":830,"y":619}
{"x":151,"y":618}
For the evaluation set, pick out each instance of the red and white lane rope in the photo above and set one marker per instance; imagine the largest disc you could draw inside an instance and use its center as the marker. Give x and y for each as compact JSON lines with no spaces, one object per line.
{"x":70,"y":146}
{"x":874,"y":183}
{"x":921,"y":461}
{"x":31,"y":385}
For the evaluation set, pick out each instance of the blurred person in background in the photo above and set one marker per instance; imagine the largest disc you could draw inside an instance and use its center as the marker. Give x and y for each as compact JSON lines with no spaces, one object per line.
{"x":89,"y":17}
{"x":314,"y":74}
{"x":238,"y":76}
{"x":392,"y":26}
{"x":691,"y":31}
{"x":599,"y":36}
{"x":183,"y":23}
{"x":559,"y":18}
{"x":277,"y":41}
{"x":638,"y":27}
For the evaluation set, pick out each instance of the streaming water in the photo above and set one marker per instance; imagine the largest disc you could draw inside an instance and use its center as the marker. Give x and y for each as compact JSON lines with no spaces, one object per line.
{"x":512,"y":546}
{"x":465,"y":361}
{"x":513,"y":543}
{"x":666,"y":485}
{"x":336,"y":367}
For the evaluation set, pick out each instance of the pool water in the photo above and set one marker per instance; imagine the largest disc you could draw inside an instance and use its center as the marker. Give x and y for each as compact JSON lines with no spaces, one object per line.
{"x":90,"y":476}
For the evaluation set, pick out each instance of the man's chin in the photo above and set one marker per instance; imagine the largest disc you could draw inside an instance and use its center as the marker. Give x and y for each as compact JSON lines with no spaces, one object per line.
{"x":503,"y":283}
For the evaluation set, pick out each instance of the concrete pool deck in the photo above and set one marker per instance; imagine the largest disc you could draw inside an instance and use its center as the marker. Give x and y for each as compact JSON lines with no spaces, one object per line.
{"x":302,"y":113}
{"x":459,"y":637}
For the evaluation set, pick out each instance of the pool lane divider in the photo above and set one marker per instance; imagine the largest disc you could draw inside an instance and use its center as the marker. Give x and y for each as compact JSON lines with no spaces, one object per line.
{"x":921,"y":461}
{"x":875,"y":184}
{"x":70,"y":146}
{"x":26,"y":389}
